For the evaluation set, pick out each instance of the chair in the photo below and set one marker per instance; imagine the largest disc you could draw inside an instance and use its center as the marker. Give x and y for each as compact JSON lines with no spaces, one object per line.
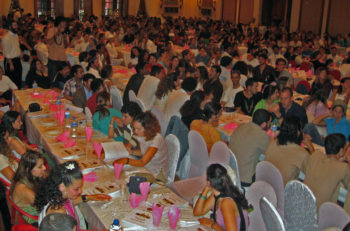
{"x":300,"y":209}
{"x":265,"y":171}
{"x":140,"y":103}
{"x":15,"y":210}
{"x":173,"y":146}
{"x":73,"y":108}
{"x":5,"y":182}
{"x":219,"y":153}
{"x":117,"y":101}
{"x":256,"y":191}
{"x":234,"y":166}
{"x":23,"y":227}
{"x":271,"y":217}
{"x":132,"y":96}
{"x":88,"y":113}
{"x":161,"y":119}
{"x":332,"y":215}
{"x":198,"y":154}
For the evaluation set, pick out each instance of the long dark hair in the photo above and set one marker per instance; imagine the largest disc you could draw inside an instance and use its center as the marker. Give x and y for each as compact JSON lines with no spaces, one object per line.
{"x":290,"y":128}
{"x":4,"y":148}
{"x":318,"y":96}
{"x":210,"y":109}
{"x":102,"y":100}
{"x":166,"y":85}
{"x":220,"y":180}
{"x":49,"y":191}
{"x":25,"y":167}
{"x":192,"y":105}
{"x":7,"y":120}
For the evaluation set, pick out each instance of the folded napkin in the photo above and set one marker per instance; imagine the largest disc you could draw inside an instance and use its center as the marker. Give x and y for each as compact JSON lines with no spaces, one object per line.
{"x":230,"y":126}
{"x":144,"y":189}
{"x":135,"y":200}
{"x":174,"y":215}
{"x":157,"y":212}
{"x":63,"y":136}
{"x":117,"y":170}
{"x":90,"y":177}
{"x":88,"y":132}
{"x":69,"y":143}
{"x":98,"y":149}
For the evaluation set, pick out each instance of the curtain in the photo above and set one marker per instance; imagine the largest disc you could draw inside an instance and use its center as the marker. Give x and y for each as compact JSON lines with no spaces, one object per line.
{"x":142,"y":8}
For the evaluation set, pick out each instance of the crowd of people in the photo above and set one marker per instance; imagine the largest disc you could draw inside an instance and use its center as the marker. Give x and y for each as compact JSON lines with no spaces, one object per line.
{"x":211,"y":75}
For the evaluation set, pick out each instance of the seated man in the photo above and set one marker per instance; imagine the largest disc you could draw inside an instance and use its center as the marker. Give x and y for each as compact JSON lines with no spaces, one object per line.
{"x":255,"y":142}
{"x":61,"y":77}
{"x":246,"y":100}
{"x":74,"y":84}
{"x":81,"y":96}
{"x":290,"y":108}
{"x":324,"y":173}
{"x":6,"y":87}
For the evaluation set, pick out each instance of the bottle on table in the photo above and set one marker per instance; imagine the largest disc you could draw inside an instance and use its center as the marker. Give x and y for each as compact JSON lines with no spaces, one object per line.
{"x":67,"y":119}
{"x":35,"y":88}
{"x":74,"y":127}
{"x":274,"y":128}
{"x":116,"y":226}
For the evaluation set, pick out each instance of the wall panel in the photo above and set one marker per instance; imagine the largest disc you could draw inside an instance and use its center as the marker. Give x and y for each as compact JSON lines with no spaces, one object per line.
{"x":246,"y":11}
{"x":338,"y":18}
{"x":311,"y":12}
{"x":229,"y":10}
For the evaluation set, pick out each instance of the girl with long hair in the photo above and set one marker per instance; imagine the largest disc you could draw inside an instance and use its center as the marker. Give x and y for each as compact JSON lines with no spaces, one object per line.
{"x":38,"y":74}
{"x":228,"y":203}
{"x":104,"y":116}
{"x":61,"y":190}
{"x":166,"y":85}
{"x":193,"y":108}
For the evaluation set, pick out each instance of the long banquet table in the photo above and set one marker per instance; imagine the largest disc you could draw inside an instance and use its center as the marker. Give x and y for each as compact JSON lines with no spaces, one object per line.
{"x":42,"y":129}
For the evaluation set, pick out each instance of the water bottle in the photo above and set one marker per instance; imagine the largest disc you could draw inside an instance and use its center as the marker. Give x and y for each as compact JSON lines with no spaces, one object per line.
{"x":67,"y":119}
{"x":59,"y":104}
{"x":74,"y":127}
{"x":274,"y":128}
{"x":116,"y":226}
{"x":35,"y":88}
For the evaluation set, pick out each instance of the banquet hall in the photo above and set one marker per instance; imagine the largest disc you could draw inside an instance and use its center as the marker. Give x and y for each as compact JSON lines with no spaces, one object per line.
{"x":174,"y":115}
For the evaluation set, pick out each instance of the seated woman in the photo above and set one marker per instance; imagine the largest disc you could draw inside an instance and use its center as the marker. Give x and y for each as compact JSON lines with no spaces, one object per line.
{"x":168,"y":84}
{"x":37,"y":74}
{"x":152,"y":146}
{"x":270,"y":100}
{"x":285,"y":151}
{"x":13,"y":123}
{"x":8,"y":164}
{"x":228,"y":203}
{"x":316,"y":105}
{"x":193,"y":108}
{"x":322,"y":82}
{"x":102,"y":119}
{"x":207,"y":125}
{"x":61,"y":190}
{"x":129,"y":110}
{"x":31,"y":170}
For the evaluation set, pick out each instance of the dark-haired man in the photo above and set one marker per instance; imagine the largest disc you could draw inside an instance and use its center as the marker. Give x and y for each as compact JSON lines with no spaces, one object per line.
{"x":73,"y":84}
{"x":246,"y":100}
{"x":255,"y":142}
{"x":324,"y":173}
{"x":81,"y":96}
{"x":263,"y":73}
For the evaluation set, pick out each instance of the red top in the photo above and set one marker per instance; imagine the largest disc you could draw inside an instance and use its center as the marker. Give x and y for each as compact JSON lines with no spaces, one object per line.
{"x":92,"y":103}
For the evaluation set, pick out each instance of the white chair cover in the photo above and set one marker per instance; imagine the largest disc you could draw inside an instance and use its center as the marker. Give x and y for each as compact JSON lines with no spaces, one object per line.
{"x":265,"y":171}
{"x":173,"y":146}
{"x":198,"y":154}
{"x":188,"y":188}
{"x":332,"y":215}
{"x":117,"y":101}
{"x":219,"y":153}
{"x":271,"y":217}
{"x":185,"y":166}
{"x":140,"y":103}
{"x":132,"y":96}
{"x":73,"y":108}
{"x":234,"y":166}
{"x":88,"y":113}
{"x":161,"y":119}
{"x":256,"y":191}
{"x":300,"y":209}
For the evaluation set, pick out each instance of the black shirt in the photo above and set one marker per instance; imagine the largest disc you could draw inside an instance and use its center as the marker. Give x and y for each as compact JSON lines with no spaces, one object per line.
{"x":42,"y":81}
{"x":247,"y":105}
{"x":214,"y":86}
{"x":128,"y":38}
{"x":295,"y":110}
{"x":267,"y":76}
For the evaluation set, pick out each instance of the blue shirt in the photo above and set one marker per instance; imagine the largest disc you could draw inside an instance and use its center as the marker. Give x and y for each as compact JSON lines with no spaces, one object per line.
{"x":87,"y":93}
{"x":343,"y":127}
{"x":103,"y":123}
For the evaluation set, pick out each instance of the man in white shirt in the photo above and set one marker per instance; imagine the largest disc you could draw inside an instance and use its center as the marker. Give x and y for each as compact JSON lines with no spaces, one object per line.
{"x":6,"y":85}
{"x":94,"y":67}
{"x":178,"y":97}
{"x":229,"y":96}
{"x":148,"y":88}
{"x":275,"y":55}
{"x":12,"y":53}
{"x":225,"y":76}
{"x":334,"y":56}
{"x":250,"y":59}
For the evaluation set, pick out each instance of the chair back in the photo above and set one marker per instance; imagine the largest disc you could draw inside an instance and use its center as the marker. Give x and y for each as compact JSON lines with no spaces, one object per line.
{"x":73,"y":108}
{"x":272,"y":219}
{"x":300,"y":209}
{"x":198,"y":154}
{"x":140,"y":103}
{"x":256,"y":191}
{"x":5,"y":182}
{"x":23,"y":227}
{"x":234,"y":165}
{"x":173,"y":146}
{"x":15,"y":210}
{"x":161,"y":119}
{"x":88,"y":113}
{"x":332,"y":215}
{"x":219,"y":153}
{"x":132,"y":96}
{"x":189,"y":187}
{"x":117,"y":101}
{"x":265,"y":171}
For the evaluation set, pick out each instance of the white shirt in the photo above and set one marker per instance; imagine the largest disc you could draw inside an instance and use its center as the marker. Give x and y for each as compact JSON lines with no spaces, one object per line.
{"x":151,"y":47}
{"x":336,"y":58}
{"x":175,"y":101}
{"x":160,"y":159}
{"x":10,"y":45}
{"x":6,"y":84}
{"x":229,"y":96}
{"x":113,"y":53}
{"x":148,"y":90}
{"x":94,"y":72}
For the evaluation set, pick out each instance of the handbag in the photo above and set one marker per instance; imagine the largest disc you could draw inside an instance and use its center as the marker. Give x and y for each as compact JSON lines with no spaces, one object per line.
{"x":134,"y":184}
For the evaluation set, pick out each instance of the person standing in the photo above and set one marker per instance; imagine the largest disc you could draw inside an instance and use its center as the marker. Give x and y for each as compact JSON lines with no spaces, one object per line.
{"x":12,"y":53}
{"x":57,"y":42}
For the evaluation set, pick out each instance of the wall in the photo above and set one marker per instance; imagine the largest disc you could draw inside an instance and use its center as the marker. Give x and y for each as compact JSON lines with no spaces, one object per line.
{"x":246,"y":11}
{"x":338,"y":20}
{"x":311,"y":15}
{"x":294,"y":17}
{"x":229,"y":10}
{"x":97,"y":7}
{"x":68,"y":8}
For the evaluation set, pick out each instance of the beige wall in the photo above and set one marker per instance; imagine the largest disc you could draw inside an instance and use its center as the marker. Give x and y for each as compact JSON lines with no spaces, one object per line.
{"x":68,"y":8}
{"x":97,"y":7}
